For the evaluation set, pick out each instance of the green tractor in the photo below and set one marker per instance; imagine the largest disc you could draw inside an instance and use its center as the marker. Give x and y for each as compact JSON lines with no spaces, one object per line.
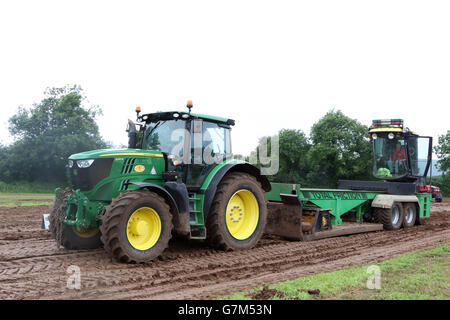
{"x":177,"y":176}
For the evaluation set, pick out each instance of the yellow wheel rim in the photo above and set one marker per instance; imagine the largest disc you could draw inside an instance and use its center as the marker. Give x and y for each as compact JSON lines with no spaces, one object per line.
{"x":242,"y":214}
{"x":143,"y":228}
{"x":85,"y":232}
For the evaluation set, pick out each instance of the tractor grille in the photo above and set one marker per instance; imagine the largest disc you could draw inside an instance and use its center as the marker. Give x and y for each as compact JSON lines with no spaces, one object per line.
{"x":86,"y":179}
{"x":128,"y":165}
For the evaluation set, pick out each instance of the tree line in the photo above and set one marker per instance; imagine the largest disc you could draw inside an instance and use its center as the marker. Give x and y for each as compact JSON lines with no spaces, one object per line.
{"x":62,"y":124}
{"x":338,"y":148}
{"x":47,"y":134}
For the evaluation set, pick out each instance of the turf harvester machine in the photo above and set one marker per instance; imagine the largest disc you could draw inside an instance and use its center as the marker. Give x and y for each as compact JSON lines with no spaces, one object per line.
{"x":177,"y":177}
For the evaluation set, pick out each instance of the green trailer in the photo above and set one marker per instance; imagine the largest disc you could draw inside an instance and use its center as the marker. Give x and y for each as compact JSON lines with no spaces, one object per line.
{"x":323,"y":213}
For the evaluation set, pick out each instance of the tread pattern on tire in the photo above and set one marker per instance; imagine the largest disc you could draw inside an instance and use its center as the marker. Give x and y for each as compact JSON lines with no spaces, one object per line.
{"x":214,"y":236}
{"x":58,"y":211}
{"x":384,"y":216}
{"x":405,"y":206}
{"x":62,"y":233}
{"x":110,"y":228}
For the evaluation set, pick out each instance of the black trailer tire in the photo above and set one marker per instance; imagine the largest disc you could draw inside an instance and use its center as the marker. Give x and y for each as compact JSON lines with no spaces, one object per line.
{"x":136,"y":227}
{"x":438,"y":198}
{"x":243,"y":228}
{"x":392,"y":218}
{"x":68,"y":236}
{"x":410,"y":214}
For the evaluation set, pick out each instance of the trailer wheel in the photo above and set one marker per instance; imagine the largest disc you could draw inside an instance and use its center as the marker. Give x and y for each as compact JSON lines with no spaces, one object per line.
{"x":137,"y":227}
{"x":392,"y":218}
{"x":410,"y":215}
{"x":238,"y":213}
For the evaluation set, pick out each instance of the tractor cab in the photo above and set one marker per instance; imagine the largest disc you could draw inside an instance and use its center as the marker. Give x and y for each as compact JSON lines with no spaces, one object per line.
{"x":192,"y":144}
{"x":398,"y":153}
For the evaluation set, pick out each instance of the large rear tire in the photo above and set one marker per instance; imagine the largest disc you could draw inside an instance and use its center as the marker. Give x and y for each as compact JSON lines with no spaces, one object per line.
{"x":238,"y":213}
{"x":136,"y":227}
{"x":70,"y":237}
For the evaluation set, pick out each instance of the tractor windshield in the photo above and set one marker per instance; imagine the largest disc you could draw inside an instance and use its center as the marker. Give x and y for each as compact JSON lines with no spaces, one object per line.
{"x":389,"y":158}
{"x":165,"y":135}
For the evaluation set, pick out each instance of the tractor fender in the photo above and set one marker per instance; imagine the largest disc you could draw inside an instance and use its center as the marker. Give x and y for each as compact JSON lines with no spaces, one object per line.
{"x":160,"y":191}
{"x":386,"y":201}
{"x":217,"y":177}
{"x":177,"y":197}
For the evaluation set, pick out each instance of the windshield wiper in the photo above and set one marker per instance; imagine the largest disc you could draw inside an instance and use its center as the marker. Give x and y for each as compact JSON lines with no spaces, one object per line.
{"x":153,"y":129}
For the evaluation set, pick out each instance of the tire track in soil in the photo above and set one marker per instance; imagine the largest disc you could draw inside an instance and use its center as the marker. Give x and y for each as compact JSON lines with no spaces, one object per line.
{"x":34,"y":268}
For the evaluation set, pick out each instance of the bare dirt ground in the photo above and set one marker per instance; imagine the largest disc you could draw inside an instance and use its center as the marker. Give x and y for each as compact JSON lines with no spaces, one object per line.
{"x":32,"y":267}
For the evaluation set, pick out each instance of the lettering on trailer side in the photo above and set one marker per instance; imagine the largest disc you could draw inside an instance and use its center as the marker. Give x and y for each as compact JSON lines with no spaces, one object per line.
{"x":332,"y":195}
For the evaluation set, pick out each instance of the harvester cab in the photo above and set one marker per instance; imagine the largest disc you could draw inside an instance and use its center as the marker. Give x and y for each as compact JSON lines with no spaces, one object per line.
{"x":398,"y":153}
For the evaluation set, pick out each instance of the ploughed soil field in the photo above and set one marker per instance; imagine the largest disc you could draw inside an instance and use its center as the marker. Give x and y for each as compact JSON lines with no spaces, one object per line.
{"x":33,"y":267}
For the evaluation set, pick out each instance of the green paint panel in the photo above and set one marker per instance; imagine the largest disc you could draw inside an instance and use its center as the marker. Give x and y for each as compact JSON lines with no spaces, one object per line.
{"x":129,"y":165}
{"x":283,"y":188}
{"x":214,"y":171}
{"x":424,"y":204}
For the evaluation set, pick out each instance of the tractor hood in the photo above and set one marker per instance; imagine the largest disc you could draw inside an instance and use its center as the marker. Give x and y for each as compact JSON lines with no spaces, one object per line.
{"x":112,"y":153}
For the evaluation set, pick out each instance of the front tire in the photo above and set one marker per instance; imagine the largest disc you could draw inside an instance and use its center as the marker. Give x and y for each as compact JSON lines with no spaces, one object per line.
{"x":70,"y":237}
{"x":84,"y":238}
{"x":238,"y":213}
{"x":136,"y":227}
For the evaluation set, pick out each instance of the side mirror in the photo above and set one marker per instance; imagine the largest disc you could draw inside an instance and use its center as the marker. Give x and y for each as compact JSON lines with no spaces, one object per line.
{"x":132,"y":134}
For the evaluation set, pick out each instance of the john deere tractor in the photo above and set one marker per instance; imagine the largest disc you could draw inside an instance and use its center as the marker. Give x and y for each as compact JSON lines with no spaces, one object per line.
{"x":175,"y":177}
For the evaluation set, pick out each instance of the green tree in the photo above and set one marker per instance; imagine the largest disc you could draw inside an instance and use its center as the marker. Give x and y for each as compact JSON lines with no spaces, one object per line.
{"x":443,"y":152}
{"x":47,"y":134}
{"x":293,"y":164}
{"x":341,"y":150}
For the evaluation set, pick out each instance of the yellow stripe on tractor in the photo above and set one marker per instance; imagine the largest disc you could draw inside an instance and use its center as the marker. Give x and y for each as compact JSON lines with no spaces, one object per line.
{"x":133,"y":154}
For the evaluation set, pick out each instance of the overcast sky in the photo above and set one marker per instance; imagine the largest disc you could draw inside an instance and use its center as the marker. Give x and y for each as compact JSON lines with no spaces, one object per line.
{"x":267,"y":64}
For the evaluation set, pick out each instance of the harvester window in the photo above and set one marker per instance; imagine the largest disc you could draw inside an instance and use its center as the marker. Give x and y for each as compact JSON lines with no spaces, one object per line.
{"x":390,"y":158}
{"x":419,"y":149}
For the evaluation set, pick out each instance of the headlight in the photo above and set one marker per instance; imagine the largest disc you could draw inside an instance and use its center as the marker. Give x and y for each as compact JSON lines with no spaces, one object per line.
{"x":70,"y":163}
{"x":84,"y":163}
{"x":374,"y":136}
{"x":391,"y":136}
